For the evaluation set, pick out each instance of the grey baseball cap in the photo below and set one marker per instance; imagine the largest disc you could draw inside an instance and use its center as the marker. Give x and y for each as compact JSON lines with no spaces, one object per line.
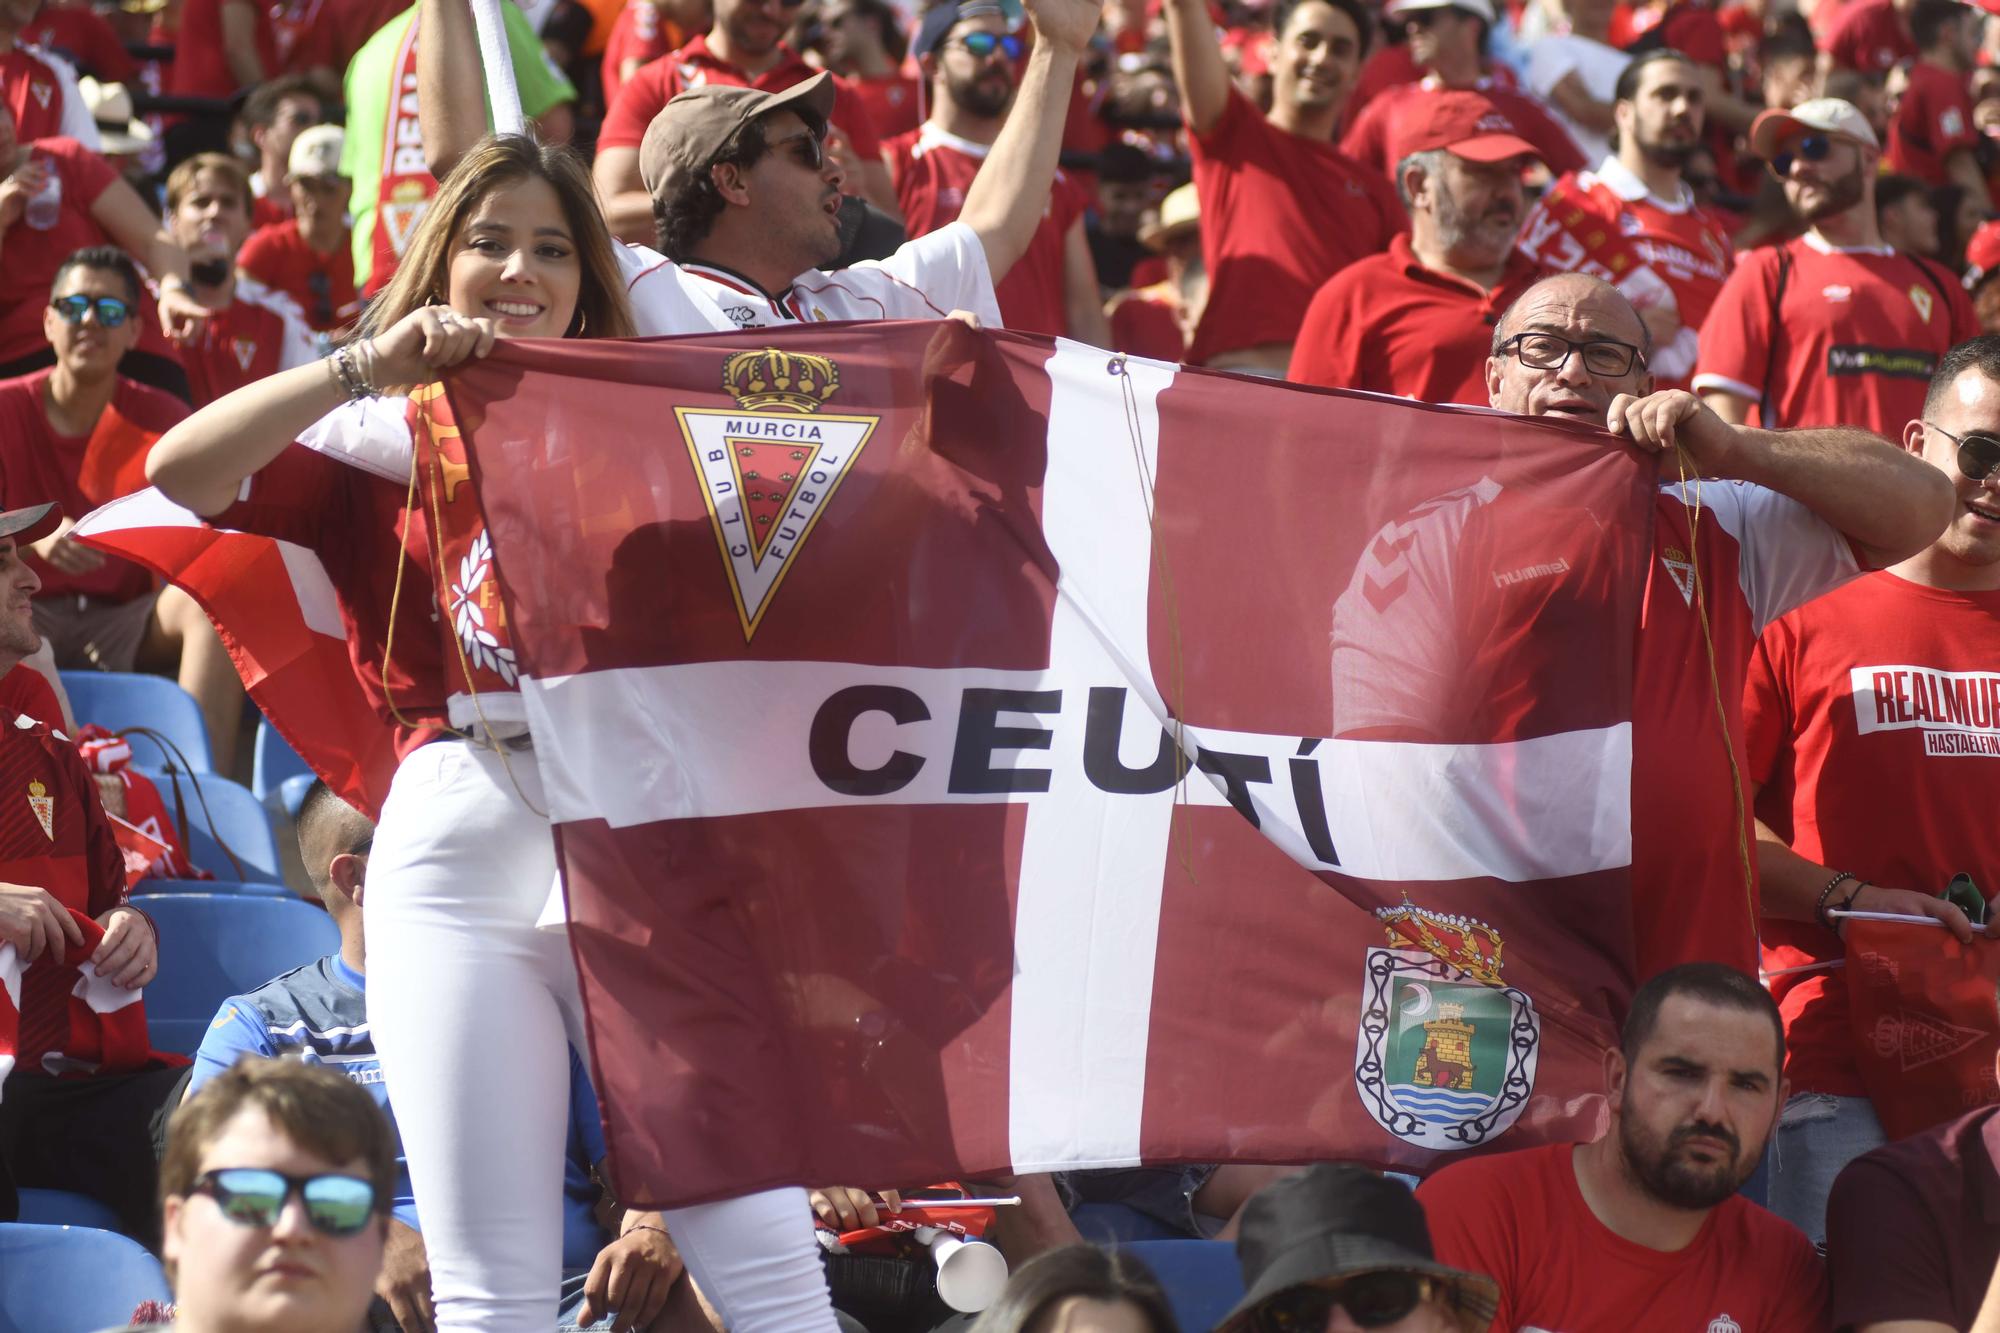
{"x":30,"y":523}
{"x":698,"y":123}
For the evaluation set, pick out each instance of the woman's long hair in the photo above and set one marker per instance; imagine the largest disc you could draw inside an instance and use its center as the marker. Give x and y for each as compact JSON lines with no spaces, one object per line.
{"x":497,"y":161}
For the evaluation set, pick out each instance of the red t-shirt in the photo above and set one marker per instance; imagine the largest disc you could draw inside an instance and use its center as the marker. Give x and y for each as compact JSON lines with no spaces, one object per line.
{"x":254,"y":336}
{"x":1369,"y":139}
{"x":76,"y":33}
{"x":34,"y":93}
{"x":36,"y":464}
{"x":1870,"y":37}
{"x":32,"y":257}
{"x":1280,"y":214}
{"x":1849,"y":704}
{"x":1933,"y":119}
{"x":1387,"y":324}
{"x":641,"y":33}
{"x":269,"y":210}
{"x":1857,"y":335}
{"x":655,"y":84}
{"x":933,"y":170}
{"x":893,"y":104}
{"x":1520,"y":1218}
{"x":201,"y":66}
{"x":25,"y":692}
{"x":356,"y":523}
{"x":325,"y":34}
{"x":322,"y":285}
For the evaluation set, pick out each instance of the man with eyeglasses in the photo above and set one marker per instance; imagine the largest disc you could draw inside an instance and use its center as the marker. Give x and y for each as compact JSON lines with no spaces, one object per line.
{"x":1834,"y":326}
{"x":1414,"y":320}
{"x":969,"y":57}
{"x":1447,"y":40}
{"x":319,"y":1014}
{"x":743,"y":49}
{"x":1866,"y":725}
{"x":1644,"y":1227}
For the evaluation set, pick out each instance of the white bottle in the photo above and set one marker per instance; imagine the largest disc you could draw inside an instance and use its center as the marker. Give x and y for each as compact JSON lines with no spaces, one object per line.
{"x":45,"y":205}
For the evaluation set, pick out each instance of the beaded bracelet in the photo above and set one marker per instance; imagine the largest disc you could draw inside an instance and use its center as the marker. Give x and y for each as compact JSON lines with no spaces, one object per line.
{"x":1819,"y":908}
{"x":352,"y":381}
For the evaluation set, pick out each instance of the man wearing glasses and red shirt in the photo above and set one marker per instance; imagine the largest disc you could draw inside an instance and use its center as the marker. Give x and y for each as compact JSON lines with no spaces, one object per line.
{"x":1835,"y":326}
{"x":742,"y":49}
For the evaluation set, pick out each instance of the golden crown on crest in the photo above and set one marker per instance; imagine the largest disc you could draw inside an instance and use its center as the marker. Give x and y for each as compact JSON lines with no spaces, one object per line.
{"x":1471,"y":946}
{"x":788,"y":381}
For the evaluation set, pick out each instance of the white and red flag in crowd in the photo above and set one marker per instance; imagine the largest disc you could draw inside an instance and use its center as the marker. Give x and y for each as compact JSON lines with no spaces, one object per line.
{"x":969,"y":752}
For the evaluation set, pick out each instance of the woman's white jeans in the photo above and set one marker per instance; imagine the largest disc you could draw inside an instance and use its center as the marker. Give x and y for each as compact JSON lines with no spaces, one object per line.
{"x":471,"y":1008}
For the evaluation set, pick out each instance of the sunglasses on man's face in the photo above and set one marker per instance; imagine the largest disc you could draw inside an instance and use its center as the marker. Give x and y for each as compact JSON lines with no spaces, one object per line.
{"x":1372,"y":1300}
{"x":339,"y":1205}
{"x":806,"y":147}
{"x":982,"y":45}
{"x":110,"y":311}
{"x":1808,"y":148}
{"x":1978,"y":453}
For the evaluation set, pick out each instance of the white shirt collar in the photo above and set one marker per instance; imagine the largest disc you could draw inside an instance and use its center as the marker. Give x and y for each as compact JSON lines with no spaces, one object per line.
{"x":1825,"y":247}
{"x":1625,"y":183}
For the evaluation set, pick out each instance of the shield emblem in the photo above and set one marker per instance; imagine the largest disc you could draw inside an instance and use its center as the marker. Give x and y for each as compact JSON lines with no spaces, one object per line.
{"x":1443,"y":1061}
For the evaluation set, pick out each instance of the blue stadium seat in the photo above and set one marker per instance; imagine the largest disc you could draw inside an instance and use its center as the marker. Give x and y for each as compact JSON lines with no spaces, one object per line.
{"x":60,"y":1208}
{"x":213,"y":946}
{"x":72,"y":1279}
{"x":240,"y":820}
{"x":116,"y":700}
{"x":153,"y":888}
{"x":1115,"y":1223}
{"x":1201,"y":1277}
{"x":277,"y":768}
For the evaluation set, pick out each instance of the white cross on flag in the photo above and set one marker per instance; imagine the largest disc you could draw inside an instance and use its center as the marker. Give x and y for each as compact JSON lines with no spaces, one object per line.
{"x":974,"y":753}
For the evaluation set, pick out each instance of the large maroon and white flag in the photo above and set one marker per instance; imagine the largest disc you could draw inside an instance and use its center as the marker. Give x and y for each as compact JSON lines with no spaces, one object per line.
{"x":970,"y":752}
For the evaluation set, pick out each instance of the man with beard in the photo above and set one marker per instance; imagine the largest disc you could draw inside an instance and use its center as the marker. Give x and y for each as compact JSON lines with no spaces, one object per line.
{"x":741,"y":50}
{"x":1634,"y":222}
{"x":1644,"y":1227}
{"x":1834,"y":326}
{"x":1282,"y":210}
{"x":1448,"y":42}
{"x":1418,"y":319}
{"x":968,"y":55}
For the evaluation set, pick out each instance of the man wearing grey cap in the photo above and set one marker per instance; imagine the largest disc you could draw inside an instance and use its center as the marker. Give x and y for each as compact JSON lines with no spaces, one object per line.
{"x":747,"y":202}
{"x":1835,"y":327}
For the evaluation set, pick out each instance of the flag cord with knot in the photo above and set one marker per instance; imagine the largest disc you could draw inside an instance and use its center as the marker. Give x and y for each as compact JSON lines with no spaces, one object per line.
{"x":1687,"y":464}
{"x":1118,"y":366}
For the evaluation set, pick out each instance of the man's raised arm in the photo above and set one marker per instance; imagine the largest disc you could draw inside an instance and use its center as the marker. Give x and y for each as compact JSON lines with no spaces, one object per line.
{"x":451,"y":83}
{"x":1009,"y":194}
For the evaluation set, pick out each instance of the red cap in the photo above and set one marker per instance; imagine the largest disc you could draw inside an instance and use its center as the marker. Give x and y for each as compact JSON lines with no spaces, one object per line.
{"x":1460,"y":122}
{"x":1982,"y":255}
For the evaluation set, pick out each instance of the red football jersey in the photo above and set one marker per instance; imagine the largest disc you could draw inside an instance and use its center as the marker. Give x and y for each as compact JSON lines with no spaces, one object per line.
{"x":641,"y":33}
{"x":25,"y":692}
{"x":1869,"y":720}
{"x":254,"y":336}
{"x":1853,"y":340}
{"x":321,"y":285}
{"x":654,"y":85}
{"x":36,"y":93}
{"x":1933,"y":119}
{"x":1280,"y":214}
{"x":895,"y":104}
{"x":32,"y":257}
{"x":933,"y":170}
{"x":76,"y":33}
{"x":1520,"y":1218}
{"x":1870,"y":37}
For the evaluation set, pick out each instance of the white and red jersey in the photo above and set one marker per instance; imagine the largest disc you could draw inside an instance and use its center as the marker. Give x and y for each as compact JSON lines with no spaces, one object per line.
{"x":1872,"y":718}
{"x":1608,"y":224}
{"x":1743,"y":553}
{"x":933,"y":171}
{"x":1819,"y":336}
{"x":926,"y":278}
{"x":257,"y":334}
{"x":40,"y":89}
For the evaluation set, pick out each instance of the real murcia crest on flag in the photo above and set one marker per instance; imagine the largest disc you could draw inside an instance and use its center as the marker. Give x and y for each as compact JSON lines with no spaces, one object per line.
{"x":1922,"y":300}
{"x":1681,"y":570}
{"x":770,"y":468}
{"x":1447,"y":1052}
{"x":44,"y":806}
{"x":1918,"y":1039}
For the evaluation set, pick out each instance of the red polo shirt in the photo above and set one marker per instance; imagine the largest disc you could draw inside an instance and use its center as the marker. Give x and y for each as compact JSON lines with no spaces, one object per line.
{"x":1387,"y":324}
{"x":652,"y":86}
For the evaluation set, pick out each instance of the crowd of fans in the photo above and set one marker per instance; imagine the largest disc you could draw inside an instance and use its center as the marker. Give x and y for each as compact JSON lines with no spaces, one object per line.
{"x":1783,"y":211}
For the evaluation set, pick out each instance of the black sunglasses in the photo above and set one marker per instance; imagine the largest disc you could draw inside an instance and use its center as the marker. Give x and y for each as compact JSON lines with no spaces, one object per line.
{"x":336,"y":1204}
{"x":110,"y":311}
{"x":1811,"y":147}
{"x":1978,"y":453}
{"x":984,"y":44}
{"x":1371,"y":1300}
{"x":806,"y":147}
